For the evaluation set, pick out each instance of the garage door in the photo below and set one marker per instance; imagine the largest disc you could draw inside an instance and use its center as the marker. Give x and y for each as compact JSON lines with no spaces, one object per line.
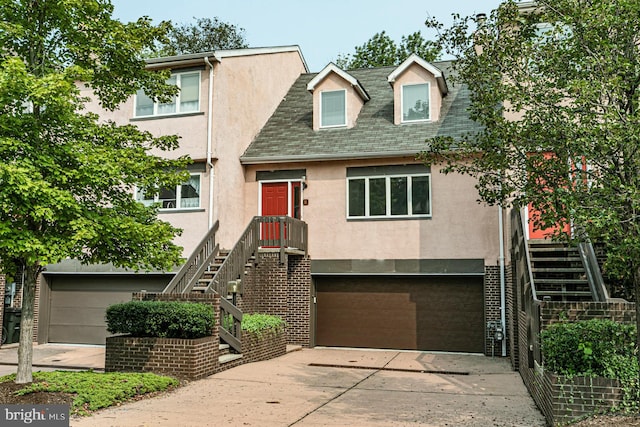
{"x":78,"y":304}
{"x":443,"y":314}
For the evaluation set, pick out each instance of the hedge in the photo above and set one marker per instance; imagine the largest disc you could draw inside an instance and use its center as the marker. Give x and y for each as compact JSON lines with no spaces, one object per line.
{"x":161,"y":319}
{"x":596,"y":347}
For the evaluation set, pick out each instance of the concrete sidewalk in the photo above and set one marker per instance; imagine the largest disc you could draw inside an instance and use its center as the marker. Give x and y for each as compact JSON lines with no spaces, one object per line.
{"x":338,"y":387}
{"x":48,"y":357}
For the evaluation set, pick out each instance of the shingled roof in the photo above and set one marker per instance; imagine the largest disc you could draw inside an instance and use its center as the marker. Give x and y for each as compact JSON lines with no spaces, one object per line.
{"x":289,"y":135}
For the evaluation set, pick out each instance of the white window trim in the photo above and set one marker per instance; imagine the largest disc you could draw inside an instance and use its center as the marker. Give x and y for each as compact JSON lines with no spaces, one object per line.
{"x":156,"y":198}
{"x":177,"y":112}
{"x":323,"y":126}
{"x":388,"y":196}
{"x":402,"y":120}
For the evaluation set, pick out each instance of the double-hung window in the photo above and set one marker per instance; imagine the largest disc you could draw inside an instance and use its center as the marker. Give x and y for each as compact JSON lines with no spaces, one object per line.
{"x":333,"y":108}
{"x":183,"y":196}
{"x":388,"y":193}
{"x":186,"y":101}
{"x":415,"y":102}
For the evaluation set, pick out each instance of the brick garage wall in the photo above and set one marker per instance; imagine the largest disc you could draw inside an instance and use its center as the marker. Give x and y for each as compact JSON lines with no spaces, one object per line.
{"x":184,"y":358}
{"x":560,"y":399}
{"x":492,"y":307}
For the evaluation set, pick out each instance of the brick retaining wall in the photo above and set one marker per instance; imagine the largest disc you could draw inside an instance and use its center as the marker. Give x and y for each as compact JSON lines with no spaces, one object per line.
{"x":562,"y":399}
{"x":186,"y":358}
{"x":183,"y":358}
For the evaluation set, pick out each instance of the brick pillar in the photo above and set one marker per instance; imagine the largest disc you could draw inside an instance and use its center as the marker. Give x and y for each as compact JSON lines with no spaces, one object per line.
{"x":271,"y":285}
{"x":492,"y":307}
{"x":299,"y":301}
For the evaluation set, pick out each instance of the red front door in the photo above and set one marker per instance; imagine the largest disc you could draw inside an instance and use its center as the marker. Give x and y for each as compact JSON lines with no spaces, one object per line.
{"x":275,"y":198}
{"x":279,"y":199}
{"x":544,"y":233}
{"x":534,"y":213}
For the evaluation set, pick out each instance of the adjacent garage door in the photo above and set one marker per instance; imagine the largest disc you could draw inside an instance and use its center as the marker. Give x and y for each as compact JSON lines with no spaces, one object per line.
{"x":433,"y":313}
{"x":78,"y":304}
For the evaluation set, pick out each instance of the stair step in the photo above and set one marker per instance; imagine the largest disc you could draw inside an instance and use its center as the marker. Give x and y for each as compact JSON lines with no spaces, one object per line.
{"x":539,"y":249}
{"x":229,"y":358}
{"x":556,"y":259}
{"x":561,"y":281}
{"x":574,"y":293}
{"x":557,"y":270}
{"x":223,"y":349}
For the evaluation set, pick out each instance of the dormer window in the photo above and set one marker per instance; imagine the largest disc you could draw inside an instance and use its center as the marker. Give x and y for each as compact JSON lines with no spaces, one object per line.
{"x":333,"y":90}
{"x":415,"y":102}
{"x":418,"y":90}
{"x":333,"y":107}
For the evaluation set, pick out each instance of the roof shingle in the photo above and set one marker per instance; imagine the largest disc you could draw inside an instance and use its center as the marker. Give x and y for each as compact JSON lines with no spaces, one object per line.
{"x":289,"y":136}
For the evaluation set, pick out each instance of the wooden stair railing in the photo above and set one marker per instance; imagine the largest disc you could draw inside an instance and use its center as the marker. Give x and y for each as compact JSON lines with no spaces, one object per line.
{"x":196,"y":264}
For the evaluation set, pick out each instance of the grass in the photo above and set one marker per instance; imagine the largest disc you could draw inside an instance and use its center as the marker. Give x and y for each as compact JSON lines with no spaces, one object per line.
{"x":94,"y":390}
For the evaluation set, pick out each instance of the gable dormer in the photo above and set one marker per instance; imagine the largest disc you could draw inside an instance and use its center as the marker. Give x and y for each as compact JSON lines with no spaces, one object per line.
{"x":418,"y":89}
{"x":338,"y":98}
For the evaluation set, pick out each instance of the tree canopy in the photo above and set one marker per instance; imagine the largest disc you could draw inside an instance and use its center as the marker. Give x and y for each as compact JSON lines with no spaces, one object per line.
{"x":557,"y":90}
{"x":207,"y":34}
{"x":380,"y":50}
{"x":66,"y":178}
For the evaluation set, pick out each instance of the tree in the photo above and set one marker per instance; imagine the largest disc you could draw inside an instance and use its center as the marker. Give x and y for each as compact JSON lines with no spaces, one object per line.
{"x":205,"y":35}
{"x":557,"y":90}
{"x":381,"y":51}
{"x":66,"y":178}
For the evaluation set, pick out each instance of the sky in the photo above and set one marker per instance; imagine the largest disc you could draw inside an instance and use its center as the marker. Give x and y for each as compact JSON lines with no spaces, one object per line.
{"x":322,"y":29}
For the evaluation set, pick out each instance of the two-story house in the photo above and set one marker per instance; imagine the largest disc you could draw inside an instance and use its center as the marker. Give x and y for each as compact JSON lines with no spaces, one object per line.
{"x":402,"y":256}
{"x":225,"y":99}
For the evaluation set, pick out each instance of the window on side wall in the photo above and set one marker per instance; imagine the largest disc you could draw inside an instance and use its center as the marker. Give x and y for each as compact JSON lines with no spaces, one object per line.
{"x":183,"y":196}
{"x":389,"y":196}
{"x":333,"y":108}
{"x":186,"y":101}
{"x":415,"y":102}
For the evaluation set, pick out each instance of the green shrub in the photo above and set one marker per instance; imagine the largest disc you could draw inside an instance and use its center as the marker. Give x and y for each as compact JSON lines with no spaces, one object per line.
{"x":259,"y":324}
{"x":595,"y":348}
{"x":161,"y":319}
{"x":591,"y":348}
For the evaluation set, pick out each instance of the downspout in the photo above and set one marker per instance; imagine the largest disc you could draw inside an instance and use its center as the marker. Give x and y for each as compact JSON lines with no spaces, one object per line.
{"x":209,"y":141}
{"x":503,"y":317}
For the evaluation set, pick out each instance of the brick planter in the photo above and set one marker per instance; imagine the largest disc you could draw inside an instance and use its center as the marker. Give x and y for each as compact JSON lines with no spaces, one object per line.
{"x":263,"y":347}
{"x":184,"y":358}
{"x":563,"y":400}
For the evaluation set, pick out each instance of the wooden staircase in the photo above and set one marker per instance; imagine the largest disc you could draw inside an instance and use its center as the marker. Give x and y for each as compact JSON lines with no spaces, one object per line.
{"x":558,"y":272}
{"x":207,"y":276}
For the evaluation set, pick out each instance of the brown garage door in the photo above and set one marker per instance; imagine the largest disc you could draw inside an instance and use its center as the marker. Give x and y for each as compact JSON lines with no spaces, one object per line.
{"x":443,"y":313}
{"x":78,"y":304}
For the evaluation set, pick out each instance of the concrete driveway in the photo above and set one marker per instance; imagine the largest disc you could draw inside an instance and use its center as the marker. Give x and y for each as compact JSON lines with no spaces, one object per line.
{"x":339,"y":387}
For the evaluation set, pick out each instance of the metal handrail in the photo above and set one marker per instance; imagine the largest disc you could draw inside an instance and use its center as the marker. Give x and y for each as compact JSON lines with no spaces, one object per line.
{"x":592,"y":269}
